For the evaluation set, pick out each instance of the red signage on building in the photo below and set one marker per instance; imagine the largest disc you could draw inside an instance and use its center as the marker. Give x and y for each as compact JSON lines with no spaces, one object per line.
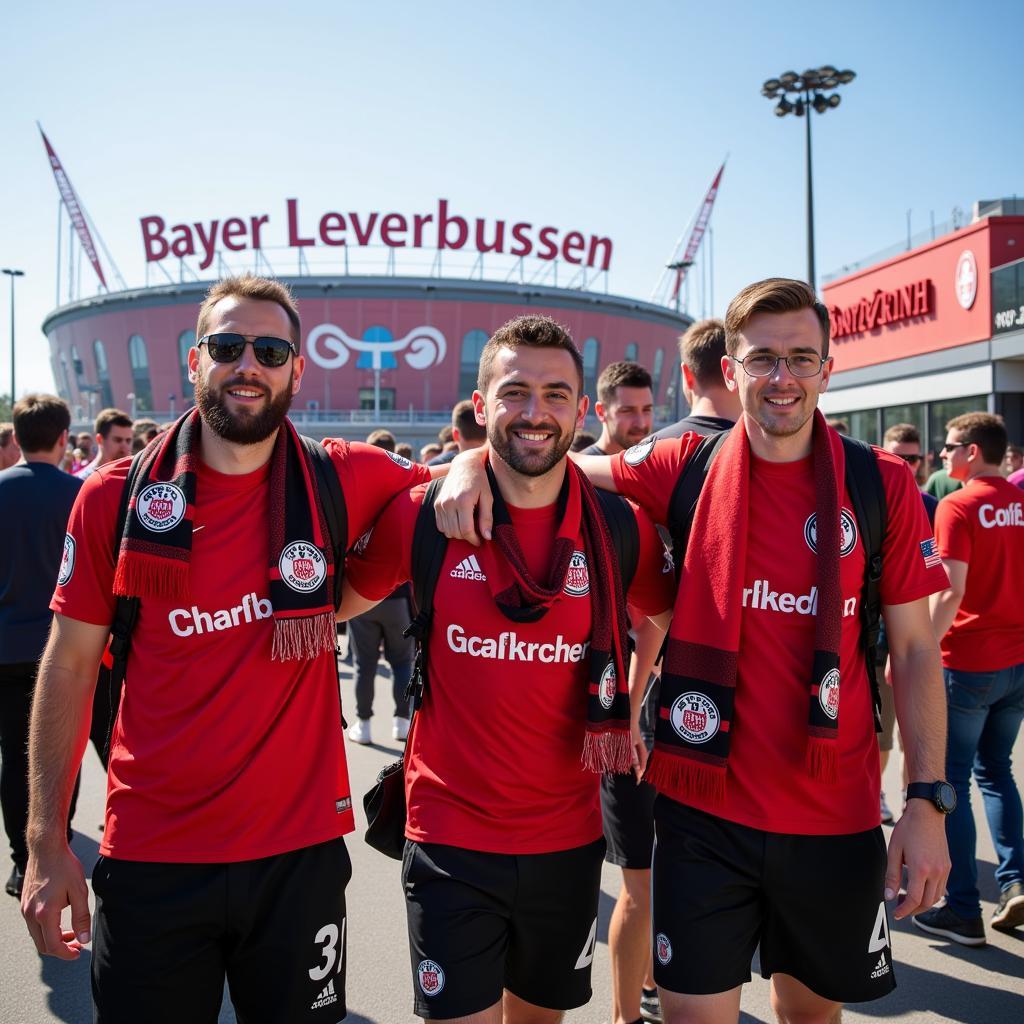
{"x":884,"y":307}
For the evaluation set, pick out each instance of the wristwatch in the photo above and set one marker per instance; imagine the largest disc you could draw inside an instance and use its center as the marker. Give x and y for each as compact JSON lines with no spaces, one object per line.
{"x":940,"y":793}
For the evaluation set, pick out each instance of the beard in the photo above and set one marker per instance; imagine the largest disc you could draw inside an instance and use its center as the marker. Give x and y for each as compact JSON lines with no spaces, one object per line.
{"x":527,"y":463}
{"x":241,"y":427}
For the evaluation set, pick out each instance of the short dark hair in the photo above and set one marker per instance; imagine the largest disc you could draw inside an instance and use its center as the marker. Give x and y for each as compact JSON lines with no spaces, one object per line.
{"x":404,"y":449}
{"x":444,"y":435}
{"x":701,"y":349}
{"x":620,"y":375}
{"x":773,"y":295}
{"x":902,"y":433}
{"x":382,"y":439}
{"x":464,"y":421}
{"x":988,"y":432}
{"x":110,"y":418}
{"x":582,"y":440}
{"x":249,"y":286}
{"x":838,"y":424}
{"x":531,"y":330}
{"x":39,"y":420}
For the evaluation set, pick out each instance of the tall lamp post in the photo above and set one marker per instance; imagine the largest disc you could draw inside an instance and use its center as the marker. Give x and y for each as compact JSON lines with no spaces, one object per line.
{"x":12,"y":274}
{"x":810,"y":90}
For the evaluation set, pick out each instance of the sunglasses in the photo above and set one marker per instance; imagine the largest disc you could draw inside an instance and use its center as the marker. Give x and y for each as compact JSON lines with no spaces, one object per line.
{"x":228,"y":348}
{"x":951,"y":447}
{"x":912,"y":459}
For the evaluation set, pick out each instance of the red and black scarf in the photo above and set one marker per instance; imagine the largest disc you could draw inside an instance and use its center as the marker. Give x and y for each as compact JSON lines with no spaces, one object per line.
{"x":522,"y":598}
{"x":156,"y":546}
{"x":698,"y":683}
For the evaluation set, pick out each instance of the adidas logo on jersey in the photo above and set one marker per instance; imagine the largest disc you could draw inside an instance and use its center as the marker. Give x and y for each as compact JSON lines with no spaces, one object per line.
{"x":468,"y":569}
{"x":326,"y":997}
{"x":881,"y":968}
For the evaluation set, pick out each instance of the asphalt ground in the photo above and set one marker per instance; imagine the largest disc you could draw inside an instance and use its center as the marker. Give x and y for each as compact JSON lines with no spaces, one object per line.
{"x":938,"y":981}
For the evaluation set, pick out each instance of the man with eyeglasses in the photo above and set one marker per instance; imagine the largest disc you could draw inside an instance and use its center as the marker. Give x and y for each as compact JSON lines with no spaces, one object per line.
{"x":228,"y":797}
{"x":767,"y":819}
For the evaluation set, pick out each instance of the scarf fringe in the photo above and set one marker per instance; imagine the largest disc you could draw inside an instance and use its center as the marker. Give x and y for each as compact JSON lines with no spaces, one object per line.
{"x":822,"y":760}
{"x":608,"y":751}
{"x":298,"y":639}
{"x":675,"y":774}
{"x":153,"y":577}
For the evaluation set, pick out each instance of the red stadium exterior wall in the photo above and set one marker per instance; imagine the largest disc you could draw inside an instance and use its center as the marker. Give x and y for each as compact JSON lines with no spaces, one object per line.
{"x":421,"y":367}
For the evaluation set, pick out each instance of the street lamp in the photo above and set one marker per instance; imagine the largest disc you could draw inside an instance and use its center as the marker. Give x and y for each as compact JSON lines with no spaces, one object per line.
{"x":810,"y":90}
{"x":12,"y":274}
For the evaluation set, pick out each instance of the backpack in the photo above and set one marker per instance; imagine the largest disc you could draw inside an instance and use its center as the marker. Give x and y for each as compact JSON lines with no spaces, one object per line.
{"x":428,"y":550}
{"x":867,"y":495}
{"x":126,"y":610}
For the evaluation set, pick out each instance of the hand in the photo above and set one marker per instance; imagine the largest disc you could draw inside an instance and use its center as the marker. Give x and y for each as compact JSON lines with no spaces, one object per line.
{"x":53,"y":881}
{"x":639,"y":751}
{"x":465,"y":489}
{"x":919,"y":841}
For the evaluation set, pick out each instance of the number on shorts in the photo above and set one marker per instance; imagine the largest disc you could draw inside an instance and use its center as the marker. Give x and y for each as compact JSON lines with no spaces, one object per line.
{"x":333,"y":943}
{"x":586,"y":958}
{"x":880,"y":932}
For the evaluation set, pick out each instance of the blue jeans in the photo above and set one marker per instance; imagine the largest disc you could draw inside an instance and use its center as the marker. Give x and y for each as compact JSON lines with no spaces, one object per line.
{"x":985,"y":712}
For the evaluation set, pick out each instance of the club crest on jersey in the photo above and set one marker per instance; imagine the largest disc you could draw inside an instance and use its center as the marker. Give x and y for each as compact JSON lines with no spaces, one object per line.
{"x":398,"y":460}
{"x":848,"y":535}
{"x":430,"y":977}
{"x":828,"y":694}
{"x":662,"y":948}
{"x":577,"y":579}
{"x":67,"y":561}
{"x":608,"y":686}
{"x":160,"y":507}
{"x":695,"y":717}
{"x":635,"y":455}
{"x":302,"y":566}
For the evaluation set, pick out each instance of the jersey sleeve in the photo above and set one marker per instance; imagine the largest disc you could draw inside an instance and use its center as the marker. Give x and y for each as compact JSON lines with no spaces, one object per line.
{"x":647,"y":472}
{"x":370,"y":477}
{"x":653,"y":589}
{"x":953,"y":535}
{"x":911,"y":567}
{"x":85,"y":584}
{"x":384,"y":561}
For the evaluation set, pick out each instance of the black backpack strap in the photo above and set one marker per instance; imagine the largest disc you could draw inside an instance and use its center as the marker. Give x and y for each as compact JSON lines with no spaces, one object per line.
{"x":428,"y":550}
{"x":335,"y":510}
{"x":625,"y":534}
{"x":867,"y":493}
{"x":686,"y":493}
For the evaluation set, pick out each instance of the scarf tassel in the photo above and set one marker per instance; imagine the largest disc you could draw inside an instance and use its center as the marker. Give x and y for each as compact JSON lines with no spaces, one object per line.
{"x":822,"y":760}
{"x":610,"y":750}
{"x":150,"y":577}
{"x":303,"y":638}
{"x":670,"y":773}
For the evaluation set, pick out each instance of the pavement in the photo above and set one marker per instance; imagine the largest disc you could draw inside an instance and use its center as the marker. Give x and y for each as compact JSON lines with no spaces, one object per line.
{"x":938,"y":981}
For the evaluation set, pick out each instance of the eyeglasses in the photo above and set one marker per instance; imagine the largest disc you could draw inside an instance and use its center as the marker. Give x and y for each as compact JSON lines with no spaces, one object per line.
{"x":761,"y":364}
{"x":228,"y":348}
{"x":958,"y":444}
{"x":912,"y":459}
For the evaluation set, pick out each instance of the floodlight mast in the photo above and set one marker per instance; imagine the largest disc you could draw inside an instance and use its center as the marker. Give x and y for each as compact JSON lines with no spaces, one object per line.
{"x":810,"y":90}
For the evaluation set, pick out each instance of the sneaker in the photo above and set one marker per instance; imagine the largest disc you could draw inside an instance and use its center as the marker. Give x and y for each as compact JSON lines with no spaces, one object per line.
{"x":887,"y":818}
{"x":359,"y":732}
{"x":943,"y":921}
{"x":1010,"y":912}
{"x":400,"y":729}
{"x":650,"y":1005}
{"x":15,"y":882}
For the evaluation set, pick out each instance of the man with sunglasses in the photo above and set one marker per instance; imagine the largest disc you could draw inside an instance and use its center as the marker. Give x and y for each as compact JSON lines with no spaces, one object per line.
{"x":767,"y":818}
{"x":228,"y":797}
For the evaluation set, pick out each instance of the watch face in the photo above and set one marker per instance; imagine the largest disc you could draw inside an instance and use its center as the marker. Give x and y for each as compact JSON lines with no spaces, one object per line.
{"x":945,"y":797}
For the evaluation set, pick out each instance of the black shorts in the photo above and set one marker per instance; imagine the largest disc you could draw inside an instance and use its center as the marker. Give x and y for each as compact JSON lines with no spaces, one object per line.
{"x":628,"y":811}
{"x":814,"y":903}
{"x":483,"y":922}
{"x":165,"y":936}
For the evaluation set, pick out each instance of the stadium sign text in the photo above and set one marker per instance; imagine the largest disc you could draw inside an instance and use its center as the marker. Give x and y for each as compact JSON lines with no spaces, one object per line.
{"x":882,"y":308}
{"x":439,"y":230}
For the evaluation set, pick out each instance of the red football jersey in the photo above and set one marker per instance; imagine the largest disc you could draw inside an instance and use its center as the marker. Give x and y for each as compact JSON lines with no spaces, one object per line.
{"x":218,"y":753}
{"x":983,"y":524}
{"x":493,"y":761}
{"x":768,"y":786}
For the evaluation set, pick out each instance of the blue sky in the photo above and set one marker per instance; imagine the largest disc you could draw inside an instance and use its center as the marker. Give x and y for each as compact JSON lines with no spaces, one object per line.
{"x":606,"y":117}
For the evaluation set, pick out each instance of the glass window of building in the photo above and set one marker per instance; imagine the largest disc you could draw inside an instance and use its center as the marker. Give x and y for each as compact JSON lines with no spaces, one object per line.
{"x":659,"y":362}
{"x":78,"y":366}
{"x":99,"y":354}
{"x":631,"y":352}
{"x":591,"y":358}
{"x":387,"y":399}
{"x":915,"y":414}
{"x":940,"y":413}
{"x":185,"y":341}
{"x":141,"y":384}
{"x":864,"y":425}
{"x":469,"y":361}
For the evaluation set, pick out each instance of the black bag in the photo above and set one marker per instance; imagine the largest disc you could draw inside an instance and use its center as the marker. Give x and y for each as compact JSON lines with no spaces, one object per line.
{"x":384,"y":806}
